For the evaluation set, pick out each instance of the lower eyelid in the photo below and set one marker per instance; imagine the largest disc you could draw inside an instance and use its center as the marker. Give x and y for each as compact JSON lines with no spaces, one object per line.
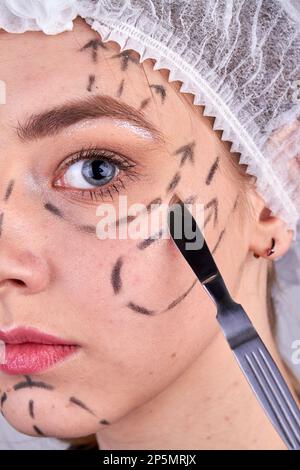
{"x":100,"y":193}
{"x":117,"y":185}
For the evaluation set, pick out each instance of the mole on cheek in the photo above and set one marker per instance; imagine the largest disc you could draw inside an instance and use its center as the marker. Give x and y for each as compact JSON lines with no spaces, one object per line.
{"x":104,"y":421}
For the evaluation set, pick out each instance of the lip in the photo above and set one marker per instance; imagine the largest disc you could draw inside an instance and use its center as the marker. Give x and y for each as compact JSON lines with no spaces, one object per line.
{"x":30,"y":351}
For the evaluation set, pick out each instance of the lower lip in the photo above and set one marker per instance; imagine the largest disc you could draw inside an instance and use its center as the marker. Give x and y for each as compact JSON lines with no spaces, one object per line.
{"x":31,"y":358}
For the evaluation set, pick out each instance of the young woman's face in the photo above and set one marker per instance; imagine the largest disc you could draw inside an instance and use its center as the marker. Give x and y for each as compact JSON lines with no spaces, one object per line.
{"x":132,"y":308}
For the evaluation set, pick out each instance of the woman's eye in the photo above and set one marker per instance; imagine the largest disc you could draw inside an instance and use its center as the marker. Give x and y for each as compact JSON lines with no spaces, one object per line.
{"x":94,"y":174}
{"x":86,"y":174}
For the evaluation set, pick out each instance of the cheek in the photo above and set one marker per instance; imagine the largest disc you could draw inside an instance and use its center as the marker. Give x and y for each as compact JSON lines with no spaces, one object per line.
{"x":106,"y":289}
{"x":155,"y":275}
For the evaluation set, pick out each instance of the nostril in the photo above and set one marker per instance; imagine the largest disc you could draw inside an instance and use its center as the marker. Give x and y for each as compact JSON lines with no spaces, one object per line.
{"x":17,"y":282}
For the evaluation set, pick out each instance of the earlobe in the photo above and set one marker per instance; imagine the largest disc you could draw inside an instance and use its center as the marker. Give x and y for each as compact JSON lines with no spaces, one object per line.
{"x":270,"y":251}
{"x":270,"y":237}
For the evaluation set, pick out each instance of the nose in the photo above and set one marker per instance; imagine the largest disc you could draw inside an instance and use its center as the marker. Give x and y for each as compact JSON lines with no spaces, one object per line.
{"x":22,"y":271}
{"x":24,"y":268}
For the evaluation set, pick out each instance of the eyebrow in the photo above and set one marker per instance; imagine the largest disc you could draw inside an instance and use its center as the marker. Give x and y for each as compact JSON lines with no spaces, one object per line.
{"x":53,"y":121}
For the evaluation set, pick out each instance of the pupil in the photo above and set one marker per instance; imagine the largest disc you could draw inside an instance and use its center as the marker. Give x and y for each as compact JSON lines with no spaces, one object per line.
{"x":99,"y":170}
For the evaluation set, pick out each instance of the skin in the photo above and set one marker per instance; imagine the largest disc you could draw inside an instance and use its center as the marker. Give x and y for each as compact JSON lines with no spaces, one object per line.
{"x":153,"y":370}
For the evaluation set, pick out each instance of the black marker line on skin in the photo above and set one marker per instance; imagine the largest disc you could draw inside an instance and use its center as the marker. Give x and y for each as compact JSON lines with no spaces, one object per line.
{"x":3,"y":399}
{"x":144,"y":103}
{"x":53,"y":209}
{"x":116,"y":280}
{"x":155,"y":202}
{"x":31,"y":408}
{"x":86,"y":228}
{"x":104,"y":421}
{"x":212,"y":171}
{"x":126,"y":219}
{"x":129,"y":218}
{"x":235,"y":203}
{"x":140,"y":309}
{"x":91,"y":82}
{"x":94,"y":44}
{"x":126,"y":57}
{"x":90,"y":229}
{"x":174,"y":182}
{"x":32,"y":384}
{"x":148,"y":241}
{"x":214,"y":204}
{"x":38,"y":431}
{"x":187,"y":152}
{"x":191,"y":199}
{"x":81,"y":405}
{"x":9,"y":190}
{"x":218,"y":241}
{"x":181,"y":297}
{"x":160,"y":90}
{"x":223,"y":231}
{"x":1,"y":222}
{"x":121,"y":88}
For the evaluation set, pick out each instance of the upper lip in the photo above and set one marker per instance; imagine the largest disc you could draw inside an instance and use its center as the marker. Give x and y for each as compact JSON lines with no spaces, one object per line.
{"x":30,"y":335}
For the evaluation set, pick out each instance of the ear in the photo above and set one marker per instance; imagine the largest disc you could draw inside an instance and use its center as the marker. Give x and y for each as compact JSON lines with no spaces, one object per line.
{"x":266,"y":227}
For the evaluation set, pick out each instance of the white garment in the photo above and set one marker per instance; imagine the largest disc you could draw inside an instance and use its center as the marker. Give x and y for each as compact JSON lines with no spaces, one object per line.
{"x":10,"y":439}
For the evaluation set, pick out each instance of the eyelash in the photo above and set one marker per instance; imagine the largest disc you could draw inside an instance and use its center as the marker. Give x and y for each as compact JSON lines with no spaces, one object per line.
{"x":124,"y":164}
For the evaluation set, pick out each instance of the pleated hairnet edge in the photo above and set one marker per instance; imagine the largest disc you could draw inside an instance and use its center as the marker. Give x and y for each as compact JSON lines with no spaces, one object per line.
{"x":268,"y":185}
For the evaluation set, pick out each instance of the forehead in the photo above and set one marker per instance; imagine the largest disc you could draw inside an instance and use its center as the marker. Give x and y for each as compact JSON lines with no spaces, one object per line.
{"x":41,"y":71}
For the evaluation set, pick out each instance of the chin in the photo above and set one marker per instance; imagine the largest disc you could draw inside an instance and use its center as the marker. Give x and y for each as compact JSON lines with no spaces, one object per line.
{"x":36,"y":416}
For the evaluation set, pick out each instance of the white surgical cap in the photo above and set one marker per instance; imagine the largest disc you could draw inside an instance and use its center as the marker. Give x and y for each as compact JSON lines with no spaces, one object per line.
{"x":241,"y":60}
